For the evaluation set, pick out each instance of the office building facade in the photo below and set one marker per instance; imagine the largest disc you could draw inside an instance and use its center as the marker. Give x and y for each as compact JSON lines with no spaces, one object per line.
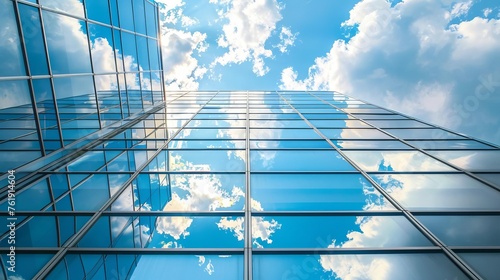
{"x":107,"y":176}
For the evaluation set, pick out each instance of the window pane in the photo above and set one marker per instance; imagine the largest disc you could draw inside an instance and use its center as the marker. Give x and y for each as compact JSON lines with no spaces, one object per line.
{"x":316,"y":192}
{"x":12,"y":58}
{"x":439,"y":192}
{"x":486,"y":264}
{"x":298,"y":161}
{"x":395,"y":161}
{"x":345,"y":231}
{"x":471,"y":160}
{"x":368,"y":266}
{"x":464,"y":230}
{"x":33,"y":39}
{"x":67,"y":44}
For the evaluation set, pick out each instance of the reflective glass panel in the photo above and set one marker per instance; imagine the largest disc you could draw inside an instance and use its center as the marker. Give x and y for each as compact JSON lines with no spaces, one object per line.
{"x":486,"y":264}
{"x":471,"y":160}
{"x":449,"y":144}
{"x":297,"y":160}
{"x":343,"y":231}
{"x":10,"y":48}
{"x":395,"y":161}
{"x":67,"y":43}
{"x":439,"y":192}
{"x":316,"y":192}
{"x":33,"y":39}
{"x":464,"y":230}
{"x":423,"y":133}
{"x":366,"y":266}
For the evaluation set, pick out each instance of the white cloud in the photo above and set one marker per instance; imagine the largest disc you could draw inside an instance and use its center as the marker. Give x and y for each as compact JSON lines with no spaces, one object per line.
{"x":460,"y":9}
{"x":487,"y":12}
{"x":287,"y":39}
{"x":181,"y":68}
{"x":410,"y":58}
{"x":250,"y":24}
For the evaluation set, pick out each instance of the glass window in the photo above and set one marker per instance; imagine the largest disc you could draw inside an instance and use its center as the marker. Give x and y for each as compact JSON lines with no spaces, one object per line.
{"x":297,"y":160}
{"x":283,"y":134}
{"x":290,"y":144}
{"x":370,"y":144}
{"x":139,"y":17}
{"x":130,"y":53}
{"x":67,"y":43}
{"x":464,"y":230}
{"x":75,"y":8}
{"x":33,"y":39}
{"x":449,"y":144}
{"x":397,"y":123}
{"x":209,"y":133}
{"x":278,"y":124}
{"x":339,"y":124}
{"x":154,"y":57}
{"x":493,"y":178}
{"x":316,"y":192}
{"x":395,"y":161}
{"x":190,"y":267}
{"x":91,"y":194}
{"x":230,"y":160}
{"x":12,"y":57}
{"x":423,"y":133}
{"x":98,"y":10}
{"x":103,"y":51}
{"x":14,"y":93}
{"x":343,"y":231}
{"x":151,"y":22}
{"x":349,"y":133}
{"x":126,"y":14}
{"x":471,"y":160}
{"x":439,"y":191}
{"x":142,"y":54}
{"x":30,"y":263}
{"x":205,"y":192}
{"x":355,"y":266}
{"x":486,"y":264}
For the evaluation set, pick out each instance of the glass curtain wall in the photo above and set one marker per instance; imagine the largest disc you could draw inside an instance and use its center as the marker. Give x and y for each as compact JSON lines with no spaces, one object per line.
{"x":262,"y":185}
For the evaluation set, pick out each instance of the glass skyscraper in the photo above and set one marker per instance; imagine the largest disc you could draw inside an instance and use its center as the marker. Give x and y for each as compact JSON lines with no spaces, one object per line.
{"x":107,"y":176}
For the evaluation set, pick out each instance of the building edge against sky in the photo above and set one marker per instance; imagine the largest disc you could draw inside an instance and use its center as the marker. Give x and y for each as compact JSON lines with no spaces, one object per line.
{"x":113,"y":180}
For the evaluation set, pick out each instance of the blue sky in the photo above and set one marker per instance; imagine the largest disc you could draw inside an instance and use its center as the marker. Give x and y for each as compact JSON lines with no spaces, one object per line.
{"x":435,"y":60}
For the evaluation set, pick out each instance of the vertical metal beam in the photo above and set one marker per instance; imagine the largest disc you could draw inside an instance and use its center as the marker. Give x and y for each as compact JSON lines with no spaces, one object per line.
{"x":248,"y":199}
{"x":30,"y":80}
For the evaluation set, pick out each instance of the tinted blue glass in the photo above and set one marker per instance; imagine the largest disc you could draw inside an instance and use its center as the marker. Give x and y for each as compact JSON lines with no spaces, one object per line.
{"x":129,"y":52}
{"x":395,"y":161}
{"x":30,"y":264}
{"x":439,"y":192}
{"x":450,"y":144}
{"x":34,"y":198}
{"x":367,"y":266}
{"x":98,"y":10}
{"x":228,"y":267}
{"x":370,"y":144}
{"x":39,"y":231}
{"x":98,"y":236}
{"x":464,"y":230}
{"x":486,"y":264}
{"x":316,"y":192}
{"x":154,"y":58}
{"x":33,"y":39}
{"x":342,"y":231}
{"x":12,"y":59}
{"x":67,"y":44}
{"x":205,"y":192}
{"x":150,"y":23}
{"x":73,"y":7}
{"x":283,"y":134}
{"x":397,"y":123}
{"x":103,"y":52}
{"x":142,"y":47}
{"x":355,"y":134}
{"x":14,"y":93}
{"x":126,"y":14}
{"x":207,"y":160}
{"x":423,"y":133}
{"x":471,"y":160}
{"x":91,"y":194}
{"x":282,"y":160}
{"x":139,"y":16}
{"x":290,"y":144}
